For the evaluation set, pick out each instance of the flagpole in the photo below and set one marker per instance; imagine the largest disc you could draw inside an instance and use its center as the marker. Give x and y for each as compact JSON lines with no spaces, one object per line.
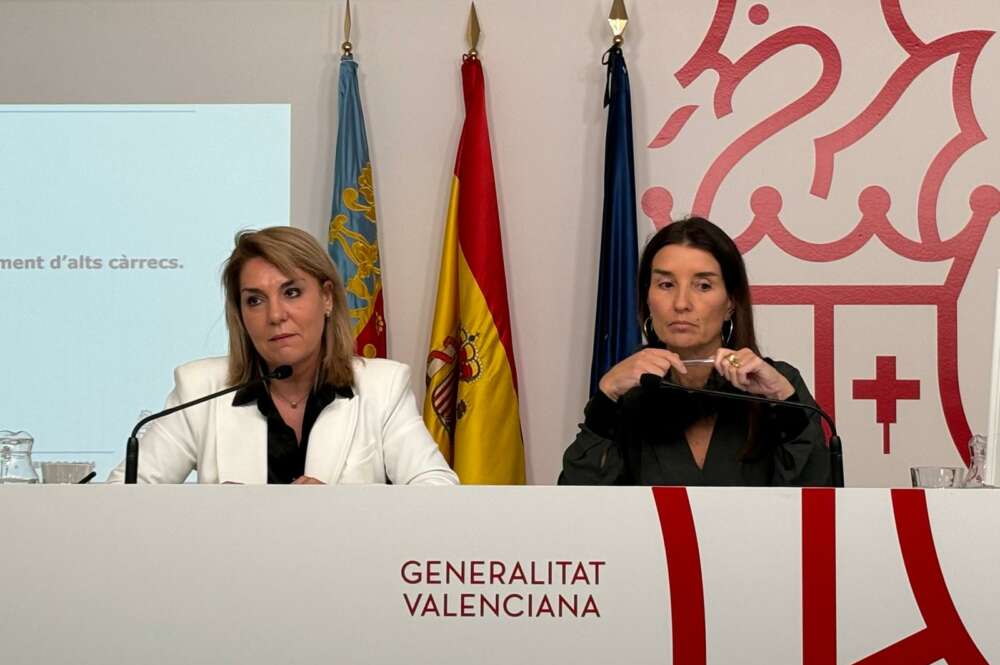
{"x":346,"y":47}
{"x":472,"y":34}
{"x":618,"y":19}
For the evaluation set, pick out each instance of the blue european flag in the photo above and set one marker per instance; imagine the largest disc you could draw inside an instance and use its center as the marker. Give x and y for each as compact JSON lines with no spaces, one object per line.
{"x":616,"y":330}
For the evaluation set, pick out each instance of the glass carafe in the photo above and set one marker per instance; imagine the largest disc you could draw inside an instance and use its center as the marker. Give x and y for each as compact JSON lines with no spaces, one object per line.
{"x":977,"y":461}
{"x":15,"y":458}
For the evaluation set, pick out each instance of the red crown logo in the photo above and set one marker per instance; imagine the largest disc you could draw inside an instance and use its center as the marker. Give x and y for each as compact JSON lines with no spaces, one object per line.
{"x":874,"y":202}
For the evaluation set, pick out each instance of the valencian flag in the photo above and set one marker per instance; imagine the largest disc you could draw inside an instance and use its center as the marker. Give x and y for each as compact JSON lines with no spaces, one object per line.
{"x":471,"y":406}
{"x":353,"y":235}
{"x":616,"y":331}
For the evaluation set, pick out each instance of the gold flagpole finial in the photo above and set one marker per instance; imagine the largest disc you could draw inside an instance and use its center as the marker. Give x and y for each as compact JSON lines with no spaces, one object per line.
{"x":472,"y":36}
{"x":618,"y":18}
{"x":346,"y":46}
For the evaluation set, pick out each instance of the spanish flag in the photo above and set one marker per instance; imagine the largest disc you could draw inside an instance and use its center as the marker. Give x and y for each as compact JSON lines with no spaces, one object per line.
{"x":471,"y":406}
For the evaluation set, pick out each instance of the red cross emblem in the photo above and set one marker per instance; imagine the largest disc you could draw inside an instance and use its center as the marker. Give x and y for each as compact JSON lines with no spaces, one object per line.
{"x":886,"y":390}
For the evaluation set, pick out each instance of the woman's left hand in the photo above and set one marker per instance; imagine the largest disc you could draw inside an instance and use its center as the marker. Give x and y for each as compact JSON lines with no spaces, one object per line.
{"x":748,"y":372}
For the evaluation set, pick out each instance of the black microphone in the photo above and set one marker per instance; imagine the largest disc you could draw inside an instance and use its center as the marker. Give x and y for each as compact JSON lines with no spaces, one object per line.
{"x":654,"y":382}
{"x":132,"y":447}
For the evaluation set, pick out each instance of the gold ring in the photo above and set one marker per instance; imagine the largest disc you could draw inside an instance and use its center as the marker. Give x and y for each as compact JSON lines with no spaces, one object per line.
{"x":733,"y":360}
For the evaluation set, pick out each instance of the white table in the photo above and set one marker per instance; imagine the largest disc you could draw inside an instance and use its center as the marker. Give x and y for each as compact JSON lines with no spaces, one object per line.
{"x":240,"y":574}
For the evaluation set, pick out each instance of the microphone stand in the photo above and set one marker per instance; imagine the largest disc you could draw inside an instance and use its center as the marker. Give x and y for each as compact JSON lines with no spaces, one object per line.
{"x":835,"y":447}
{"x":132,"y":447}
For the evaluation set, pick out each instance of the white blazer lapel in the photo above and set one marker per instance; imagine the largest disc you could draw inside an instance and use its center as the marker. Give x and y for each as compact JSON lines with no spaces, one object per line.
{"x":331,"y":439}
{"x":241,"y":433}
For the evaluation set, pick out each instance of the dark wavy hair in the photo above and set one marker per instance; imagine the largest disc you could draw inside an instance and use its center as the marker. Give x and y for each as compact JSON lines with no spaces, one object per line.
{"x":702,"y":234}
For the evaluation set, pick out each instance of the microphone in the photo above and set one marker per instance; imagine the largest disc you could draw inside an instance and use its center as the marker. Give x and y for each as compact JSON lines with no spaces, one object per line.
{"x":132,"y":447}
{"x":654,"y":382}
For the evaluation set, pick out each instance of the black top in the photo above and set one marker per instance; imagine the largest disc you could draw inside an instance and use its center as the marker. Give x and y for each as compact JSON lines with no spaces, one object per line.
{"x":639,"y":440}
{"x":286,"y":457}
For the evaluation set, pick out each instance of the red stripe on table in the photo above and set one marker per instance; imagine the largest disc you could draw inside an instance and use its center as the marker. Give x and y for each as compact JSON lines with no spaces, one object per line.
{"x":819,"y":577}
{"x":945,"y":636}
{"x":687,"y":597}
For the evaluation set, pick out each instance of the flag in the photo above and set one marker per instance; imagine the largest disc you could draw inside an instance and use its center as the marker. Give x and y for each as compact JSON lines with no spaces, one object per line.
{"x":616,"y":331}
{"x":471,"y":406}
{"x":353,"y":234}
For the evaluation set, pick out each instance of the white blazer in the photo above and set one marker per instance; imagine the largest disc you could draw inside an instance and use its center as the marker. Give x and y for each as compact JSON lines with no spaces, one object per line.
{"x":375,"y":436}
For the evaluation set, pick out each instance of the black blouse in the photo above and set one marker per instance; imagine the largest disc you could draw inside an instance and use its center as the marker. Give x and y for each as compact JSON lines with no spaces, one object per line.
{"x":639,"y":440}
{"x":286,"y":457}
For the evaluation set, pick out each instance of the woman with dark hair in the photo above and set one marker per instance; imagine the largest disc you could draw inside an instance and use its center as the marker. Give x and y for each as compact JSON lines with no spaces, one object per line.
{"x":697,"y":317}
{"x":337,"y":419}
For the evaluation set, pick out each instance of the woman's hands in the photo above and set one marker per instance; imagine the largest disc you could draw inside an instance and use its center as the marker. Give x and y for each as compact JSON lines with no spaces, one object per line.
{"x":744,"y":369}
{"x":307,"y":480}
{"x":748,"y":372}
{"x":625,"y":375}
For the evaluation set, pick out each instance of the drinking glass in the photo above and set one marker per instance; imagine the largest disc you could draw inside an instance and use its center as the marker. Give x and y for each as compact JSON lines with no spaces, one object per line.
{"x":65,"y":472}
{"x":937,"y":476}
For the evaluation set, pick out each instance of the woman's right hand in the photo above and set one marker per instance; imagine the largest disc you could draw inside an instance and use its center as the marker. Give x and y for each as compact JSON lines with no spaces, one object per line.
{"x":625,"y":375}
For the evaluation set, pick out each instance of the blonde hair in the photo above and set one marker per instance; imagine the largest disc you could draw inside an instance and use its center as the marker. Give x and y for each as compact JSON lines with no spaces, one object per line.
{"x":288,"y":249}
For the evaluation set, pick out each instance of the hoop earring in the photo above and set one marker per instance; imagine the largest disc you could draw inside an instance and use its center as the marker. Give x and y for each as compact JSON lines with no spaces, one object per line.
{"x":727,"y":331}
{"x":649,"y":332}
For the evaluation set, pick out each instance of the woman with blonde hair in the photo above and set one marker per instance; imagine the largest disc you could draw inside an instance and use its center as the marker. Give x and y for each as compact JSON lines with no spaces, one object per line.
{"x":337,"y":419}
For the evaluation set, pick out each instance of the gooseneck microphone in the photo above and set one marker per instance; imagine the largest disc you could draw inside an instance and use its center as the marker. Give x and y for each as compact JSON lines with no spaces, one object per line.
{"x":654,"y":382}
{"x":132,"y":447}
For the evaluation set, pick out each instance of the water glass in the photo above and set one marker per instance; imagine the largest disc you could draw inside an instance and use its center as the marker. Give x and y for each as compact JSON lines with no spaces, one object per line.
{"x":65,"y":472}
{"x":937,"y":476}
